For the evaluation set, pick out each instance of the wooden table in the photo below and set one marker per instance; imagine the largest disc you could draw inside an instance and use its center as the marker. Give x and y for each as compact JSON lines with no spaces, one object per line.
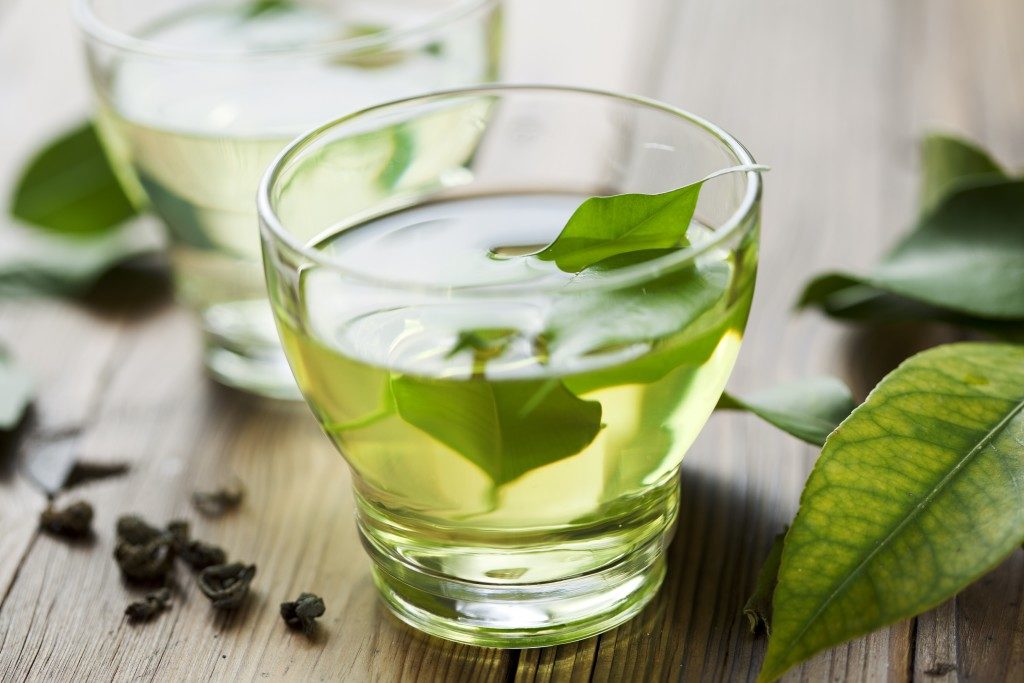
{"x":833,"y":95}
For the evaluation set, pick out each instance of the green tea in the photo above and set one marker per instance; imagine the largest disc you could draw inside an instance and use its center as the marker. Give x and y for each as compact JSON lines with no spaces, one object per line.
{"x":191,"y":137}
{"x":522,"y":424}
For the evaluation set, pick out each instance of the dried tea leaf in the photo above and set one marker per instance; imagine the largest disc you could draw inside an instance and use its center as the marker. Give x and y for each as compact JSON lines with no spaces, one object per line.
{"x":148,"y":562}
{"x":227,"y":585}
{"x":301,"y":614}
{"x":136,"y":530}
{"x":195,"y":553}
{"x":144,"y":553}
{"x":149,"y":607}
{"x":219,"y":502}
{"x":73,"y":521}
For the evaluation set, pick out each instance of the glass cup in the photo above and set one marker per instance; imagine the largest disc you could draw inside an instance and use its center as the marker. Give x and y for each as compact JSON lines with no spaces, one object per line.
{"x":196,"y":97}
{"x":514,"y":431}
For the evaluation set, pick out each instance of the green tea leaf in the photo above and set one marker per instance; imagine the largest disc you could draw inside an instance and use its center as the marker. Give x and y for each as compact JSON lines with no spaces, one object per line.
{"x":966,"y":256}
{"x":810,"y":409}
{"x":15,"y":393}
{"x":915,"y":495}
{"x":69,"y":187}
{"x":591,"y":320}
{"x":504,"y":428}
{"x":34,"y":262}
{"x":758,"y":609}
{"x":947,"y":161}
{"x":603,"y":227}
{"x":258,"y":8}
{"x":846,"y":298}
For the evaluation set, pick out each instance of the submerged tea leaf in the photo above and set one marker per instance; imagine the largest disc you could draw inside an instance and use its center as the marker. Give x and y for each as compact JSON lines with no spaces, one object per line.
{"x":69,"y":187}
{"x":504,"y":428}
{"x":302,"y":613}
{"x":809,"y":409}
{"x":257,"y":8}
{"x":915,"y":496}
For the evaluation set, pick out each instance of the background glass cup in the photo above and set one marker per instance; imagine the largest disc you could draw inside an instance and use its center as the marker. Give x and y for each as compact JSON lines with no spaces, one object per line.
{"x":196,"y":97}
{"x":514,"y":432}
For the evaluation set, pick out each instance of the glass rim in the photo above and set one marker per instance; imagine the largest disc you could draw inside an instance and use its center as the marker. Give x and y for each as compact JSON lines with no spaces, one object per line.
{"x":99,"y":30}
{"x":272,"y":228}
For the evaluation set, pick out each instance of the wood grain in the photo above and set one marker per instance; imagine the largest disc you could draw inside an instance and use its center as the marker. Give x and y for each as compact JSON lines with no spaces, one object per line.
{"x":832,"y":95}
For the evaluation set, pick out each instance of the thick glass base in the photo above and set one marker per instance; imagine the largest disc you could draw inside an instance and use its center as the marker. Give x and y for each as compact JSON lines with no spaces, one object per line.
{"x":522,"y":615}
{"x":243,"y":350}
{"x":527,"y":588}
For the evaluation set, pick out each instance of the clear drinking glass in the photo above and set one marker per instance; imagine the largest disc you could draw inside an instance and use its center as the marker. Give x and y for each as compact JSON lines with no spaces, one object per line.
{"x":514,"y":431}
{"x":196,"y":97}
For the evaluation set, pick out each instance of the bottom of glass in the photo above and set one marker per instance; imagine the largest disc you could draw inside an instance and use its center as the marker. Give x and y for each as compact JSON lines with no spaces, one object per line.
{"x":243,"y":350}
{"x":521,"y":615}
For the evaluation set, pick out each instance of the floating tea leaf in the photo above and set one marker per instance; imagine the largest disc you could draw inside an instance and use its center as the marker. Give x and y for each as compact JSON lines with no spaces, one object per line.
{"x":226,"y":585}
{"x":195,"y":553}
{"x":74,"y":521}
{"x":303,"y":612}
{"x":150,"y":606}
{"x":219,"y":502}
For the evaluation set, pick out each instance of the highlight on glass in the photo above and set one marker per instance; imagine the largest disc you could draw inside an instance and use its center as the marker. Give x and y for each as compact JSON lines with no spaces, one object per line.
{"x":195,"y":98}
{"x":512,"y":369}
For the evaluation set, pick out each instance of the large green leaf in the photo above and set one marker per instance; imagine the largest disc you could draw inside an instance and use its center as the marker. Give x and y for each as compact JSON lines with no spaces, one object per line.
{"x":15,"y":393}
{"x":69,"y":187}
{"x":603,"y":227}
{"x":947,"y":161}
{"x":809,"y":409}
{"x":504,"y":428}
{"x":37,"y":262}
{"x":846,"y":298}
{"x":917,"y":494}
{"x":966,"y":256}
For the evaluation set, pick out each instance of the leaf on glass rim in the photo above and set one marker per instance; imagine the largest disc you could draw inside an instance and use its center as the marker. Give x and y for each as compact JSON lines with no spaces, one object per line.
{"x":966,"y":256}
{"x":758,"y":609}
{"x":505,"y":428}
{"x":604,"y":227}
{"x":809,"y":409}
{"x":915,"y":496}
{"x":70,"y":188}
{"x":34,"y":262}
{"x":15,"y":393}
{"x":946,"y":161}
